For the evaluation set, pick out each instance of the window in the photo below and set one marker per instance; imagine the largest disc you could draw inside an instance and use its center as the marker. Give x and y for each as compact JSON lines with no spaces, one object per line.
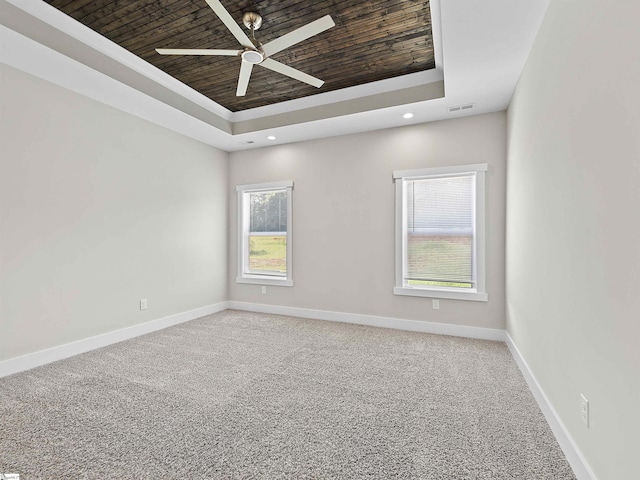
{"x":440,"y":232}
{"x":264,"y":233}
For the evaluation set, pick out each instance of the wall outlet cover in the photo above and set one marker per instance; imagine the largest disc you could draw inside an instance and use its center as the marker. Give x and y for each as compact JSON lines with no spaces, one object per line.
{"x":584,"y":410}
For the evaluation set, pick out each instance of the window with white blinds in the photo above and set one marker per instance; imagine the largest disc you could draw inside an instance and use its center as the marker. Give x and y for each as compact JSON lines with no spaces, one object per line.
{"x":264,"y":233}
{"x":440,"y":232}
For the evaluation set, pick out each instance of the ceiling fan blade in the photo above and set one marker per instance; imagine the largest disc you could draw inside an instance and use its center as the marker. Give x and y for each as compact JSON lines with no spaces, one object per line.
{"x":291,"y":72}
{"x":230,"y":23}
{"x":243,"y":79}
{"x":298,"y":35}
{"x":196,"y":51}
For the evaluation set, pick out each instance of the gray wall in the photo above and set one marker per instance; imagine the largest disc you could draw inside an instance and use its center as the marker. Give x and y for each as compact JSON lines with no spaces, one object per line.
{"x":343,"y":217}
{"x":99,"y":209}
{"x":573,"y":227}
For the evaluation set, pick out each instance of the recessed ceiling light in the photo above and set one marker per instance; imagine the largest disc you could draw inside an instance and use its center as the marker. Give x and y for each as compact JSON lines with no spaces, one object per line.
{"x":271,"y":137}
{"x":407,"y":115}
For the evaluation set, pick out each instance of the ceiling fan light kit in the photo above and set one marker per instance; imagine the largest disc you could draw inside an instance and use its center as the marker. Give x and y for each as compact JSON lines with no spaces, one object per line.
{"x":253,"y":52}
{"x":252,"y":56}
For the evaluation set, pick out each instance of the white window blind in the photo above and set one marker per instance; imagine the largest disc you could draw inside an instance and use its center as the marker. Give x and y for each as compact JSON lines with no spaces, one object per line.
{"x":440,"y":231}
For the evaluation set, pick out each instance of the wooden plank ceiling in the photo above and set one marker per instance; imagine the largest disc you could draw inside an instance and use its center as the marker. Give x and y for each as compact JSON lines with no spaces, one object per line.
{"x":372,"y":40}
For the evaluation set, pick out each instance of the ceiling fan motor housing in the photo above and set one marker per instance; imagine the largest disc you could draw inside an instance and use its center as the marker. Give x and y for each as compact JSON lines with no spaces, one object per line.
{"x":252,"y":20}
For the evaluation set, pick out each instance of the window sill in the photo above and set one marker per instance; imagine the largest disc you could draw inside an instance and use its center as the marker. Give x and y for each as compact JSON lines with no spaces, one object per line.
{"x":260,"y":280}
{"x":447,"y":294}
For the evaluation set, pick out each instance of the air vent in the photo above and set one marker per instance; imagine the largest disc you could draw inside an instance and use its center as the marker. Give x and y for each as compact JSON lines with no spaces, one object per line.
{"x":458,"y":108}
{"x":247,"y":142}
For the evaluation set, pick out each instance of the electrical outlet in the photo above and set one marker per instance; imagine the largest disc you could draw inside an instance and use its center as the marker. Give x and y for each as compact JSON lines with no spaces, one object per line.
{"x":435,"y":304}
{"x":584,"y":410}
{"x":143,"y":304}
{"x":264,"y":290}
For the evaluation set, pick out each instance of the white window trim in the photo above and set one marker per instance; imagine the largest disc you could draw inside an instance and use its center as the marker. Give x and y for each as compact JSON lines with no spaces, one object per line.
{"x":479,"y":293}
{"x":283,"y":281}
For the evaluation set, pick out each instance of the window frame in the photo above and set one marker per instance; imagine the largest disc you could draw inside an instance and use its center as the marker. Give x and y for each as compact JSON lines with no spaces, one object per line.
{"x":456,"y":293}
{"x":244,"y":276}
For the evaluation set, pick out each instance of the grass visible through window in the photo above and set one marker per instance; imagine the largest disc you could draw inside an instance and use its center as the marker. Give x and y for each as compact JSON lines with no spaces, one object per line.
{"x":439,"y":261}
{"x":268,"y":253}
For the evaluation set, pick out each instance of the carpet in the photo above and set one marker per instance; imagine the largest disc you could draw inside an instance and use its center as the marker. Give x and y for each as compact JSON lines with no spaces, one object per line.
{"x":239,"y":395}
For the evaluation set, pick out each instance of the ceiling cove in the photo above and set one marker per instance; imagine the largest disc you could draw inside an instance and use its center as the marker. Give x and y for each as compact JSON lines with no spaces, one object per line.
{"x":370,"y":41}
{"x":476,"y":49}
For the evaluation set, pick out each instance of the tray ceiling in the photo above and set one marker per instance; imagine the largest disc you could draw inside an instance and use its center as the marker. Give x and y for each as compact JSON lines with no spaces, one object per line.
{"x":372,"y":40}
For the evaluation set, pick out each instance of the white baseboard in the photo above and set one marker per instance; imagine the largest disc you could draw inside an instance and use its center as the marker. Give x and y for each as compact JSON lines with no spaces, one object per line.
{"x":373,"y":321}
{"x":42,"y":357}
{"x":31,"y":360}
{"x":575,"y":458}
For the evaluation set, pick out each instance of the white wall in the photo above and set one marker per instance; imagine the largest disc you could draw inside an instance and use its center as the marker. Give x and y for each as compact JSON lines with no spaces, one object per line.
{"x":343,"y":217}
{"x":573,"y":227}
{"x":99,"y":209}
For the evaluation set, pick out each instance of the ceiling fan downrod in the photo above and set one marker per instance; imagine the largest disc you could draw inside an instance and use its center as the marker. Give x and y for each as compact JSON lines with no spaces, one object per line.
{"x":253,"y":21}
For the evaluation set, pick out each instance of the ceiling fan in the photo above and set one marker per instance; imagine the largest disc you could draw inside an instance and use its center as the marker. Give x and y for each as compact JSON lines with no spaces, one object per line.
{"x":253,"y":52}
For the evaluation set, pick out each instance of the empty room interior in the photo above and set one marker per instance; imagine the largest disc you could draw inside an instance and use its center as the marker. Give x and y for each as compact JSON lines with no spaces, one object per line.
{"x":381,"y":239}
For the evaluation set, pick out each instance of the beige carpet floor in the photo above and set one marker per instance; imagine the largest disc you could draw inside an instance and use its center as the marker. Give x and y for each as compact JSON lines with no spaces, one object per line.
{"x":239,"y":395}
